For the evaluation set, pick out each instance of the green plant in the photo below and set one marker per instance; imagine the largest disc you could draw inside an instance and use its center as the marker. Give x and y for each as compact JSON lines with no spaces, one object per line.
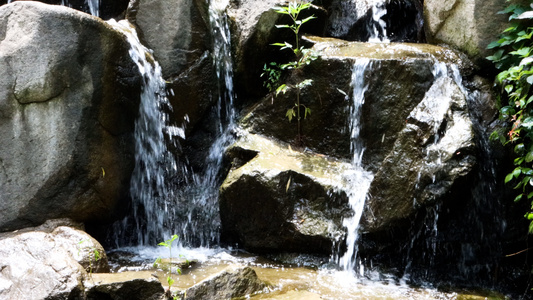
{"x":95,"y":254}
{"x":158,"y":262}
{"x":304,"y":56}
{"x":514,"y":58}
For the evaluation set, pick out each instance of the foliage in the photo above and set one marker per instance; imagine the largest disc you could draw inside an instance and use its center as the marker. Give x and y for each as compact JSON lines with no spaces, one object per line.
{"x":304,"y":56}
{"x":95,"y":254}
{"x":514,"y":58}
{"x":158,"y":261}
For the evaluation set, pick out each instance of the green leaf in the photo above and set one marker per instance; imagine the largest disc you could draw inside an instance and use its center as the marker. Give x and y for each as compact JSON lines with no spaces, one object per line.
{"x":531,"y":227}
{"x":307,"y":112}
{"x":521,"y":52}
{"x":290,"y":114}
{"x":530,"y":195}
{"x":493,"y":45}
{"x":518,"y":198}
{"x":527,"y":123}
{"x":520,"y":148}
{"x":308,"y":19}
{"x":282,"y":89}
{"x":282,"y":26}
{"x":516,"y":172}
{"x":509,"y":177}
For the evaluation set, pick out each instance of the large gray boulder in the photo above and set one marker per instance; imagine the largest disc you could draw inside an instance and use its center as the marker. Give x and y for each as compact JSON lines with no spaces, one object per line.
{"x":107,"y":9}
{"x":44,"y":262}
{"x":68,"y":99}
{"x":178,"y":31}
{"x":276,"y":199}
{"x":467,"y":25}
{"x":180,"y":35}
{"x":433,"y":152}
{"x":397,"y":80}
{"x":414,"y":124}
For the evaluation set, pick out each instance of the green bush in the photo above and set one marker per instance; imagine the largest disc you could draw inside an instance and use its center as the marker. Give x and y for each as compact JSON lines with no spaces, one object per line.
{"x":513,"y":57}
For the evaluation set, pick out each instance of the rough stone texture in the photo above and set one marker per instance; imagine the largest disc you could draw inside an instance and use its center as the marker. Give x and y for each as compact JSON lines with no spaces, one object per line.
{"x":253,"y":30}
{"x":353,"y":20}
{"x":124,"y":285}
{"x":68,"y":98}
{"x":434,"y":151}
{"x":468,"y":25}
{"x":177,"y":31}
{"x":233,"y":282}
{"x":405,"y":74}
{"x":415,"y":128}
{"x":108,"y":8}
{"x":180,"y":35}
{"x":275,"y":199}
{"x":42,"y":262}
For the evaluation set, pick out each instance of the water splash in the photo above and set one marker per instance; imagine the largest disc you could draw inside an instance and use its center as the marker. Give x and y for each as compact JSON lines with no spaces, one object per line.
{"x":379,"y":27}
{"x":152,"y":197}
{"x":358,"y":179}
{"x":201,"y":226}
{"x":346,"y":14}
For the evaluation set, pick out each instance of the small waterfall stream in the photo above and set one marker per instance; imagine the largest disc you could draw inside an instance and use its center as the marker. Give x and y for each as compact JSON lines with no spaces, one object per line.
{"x":359,"y":180}
{"x":152,"y":197}
{"x":200,"y":222}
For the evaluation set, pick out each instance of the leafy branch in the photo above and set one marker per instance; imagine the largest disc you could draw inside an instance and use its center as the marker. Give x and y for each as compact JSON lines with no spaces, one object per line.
{"x":304,"y":56}
{"x":513,"y":56}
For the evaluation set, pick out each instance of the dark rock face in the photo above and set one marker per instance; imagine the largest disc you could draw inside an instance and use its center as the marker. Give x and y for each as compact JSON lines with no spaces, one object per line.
{"x":253,"y":32}
{"x":234,"y":282}
{"x":180,"y":35}
{"x":177,"y":31}
{"x":134,"y":289}
{"x":68,"y":100}
{"x":276,"y":200}
{"x":108,"y":8}
{"x":415,"y":127}
{"x":354,"y":20}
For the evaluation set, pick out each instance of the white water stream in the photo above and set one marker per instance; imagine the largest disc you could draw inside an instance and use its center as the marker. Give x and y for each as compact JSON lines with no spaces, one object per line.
{"x":358,"y":179}
{"x":152,"y":198}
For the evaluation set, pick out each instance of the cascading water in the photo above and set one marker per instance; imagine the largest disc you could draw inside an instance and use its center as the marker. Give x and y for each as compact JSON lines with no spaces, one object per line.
{"x":152,"y":198}
{"x":199,"y":207}
{"x":94,"y":7}
{"x":379,"y":27}
{"x":358,"y":179}
{"x":346,"y":14}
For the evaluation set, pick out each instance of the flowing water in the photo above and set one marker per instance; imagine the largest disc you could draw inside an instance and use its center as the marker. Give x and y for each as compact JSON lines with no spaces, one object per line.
{"x":358,"y":179}
{"x":152,"y":197}
{"x":200,"y":223}
{"x":347,"y":14}
{"x":94,"y":7}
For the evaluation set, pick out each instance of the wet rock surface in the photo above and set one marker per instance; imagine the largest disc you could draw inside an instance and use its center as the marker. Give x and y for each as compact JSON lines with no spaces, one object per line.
{"x":275,"y":199}
{"x":68,"y":100}
{"x":125,"y":285}
{"x":231,"y":283}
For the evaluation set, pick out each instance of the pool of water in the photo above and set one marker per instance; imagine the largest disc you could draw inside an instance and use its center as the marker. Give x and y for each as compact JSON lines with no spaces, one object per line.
{"x":305,"y":278}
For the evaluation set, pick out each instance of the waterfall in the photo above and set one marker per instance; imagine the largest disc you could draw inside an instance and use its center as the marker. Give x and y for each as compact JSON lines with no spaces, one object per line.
{"x":379,"y":27}
{"x":358,"y":179}
{"x":94,"y":7}
{"x":347,"y":14}
{"x":152,"y":198}
{"x":201,"y":223}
